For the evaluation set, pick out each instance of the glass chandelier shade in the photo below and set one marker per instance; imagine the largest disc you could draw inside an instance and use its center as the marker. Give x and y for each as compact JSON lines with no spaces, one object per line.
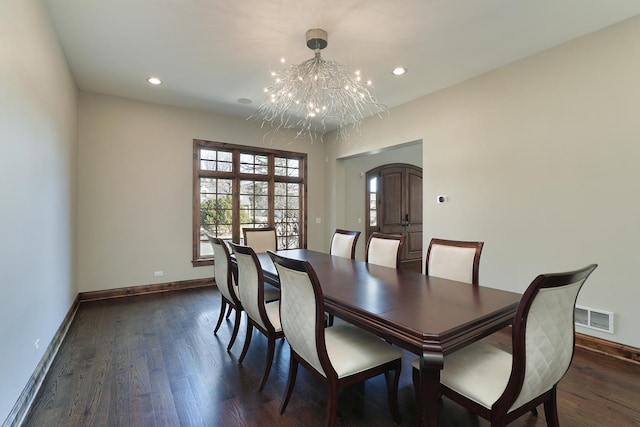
{"x":318,"y":95}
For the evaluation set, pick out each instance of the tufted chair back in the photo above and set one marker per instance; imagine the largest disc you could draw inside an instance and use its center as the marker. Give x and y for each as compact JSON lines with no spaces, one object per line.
{"x":250,"y":283}
{"x":301,"y":312}
{"x":222,"y":269}
{"x":343,"y":243}
{"x":543,"y":335}
{"x":454,"y":260}
{"x":261,"y":239}
{"x":384,"y":249}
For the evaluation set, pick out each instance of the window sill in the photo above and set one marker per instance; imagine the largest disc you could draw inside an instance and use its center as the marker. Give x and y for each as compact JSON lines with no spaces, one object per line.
{"x":202,"y":262}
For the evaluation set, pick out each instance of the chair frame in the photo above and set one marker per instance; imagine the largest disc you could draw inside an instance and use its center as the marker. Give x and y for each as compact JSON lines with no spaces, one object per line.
{"x":270,"y":332}
{"x":233,"y":303}
{"x":246,"y":231}
{"x":460,"y":244}
{"x":498,"y":415}
{"x":378,"y":235}
{"x":356,"y":235}
{"x":331,"y":381}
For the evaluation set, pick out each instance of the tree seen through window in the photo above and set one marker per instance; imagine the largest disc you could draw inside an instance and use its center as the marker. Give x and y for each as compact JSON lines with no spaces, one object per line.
{"x":247,"y":187}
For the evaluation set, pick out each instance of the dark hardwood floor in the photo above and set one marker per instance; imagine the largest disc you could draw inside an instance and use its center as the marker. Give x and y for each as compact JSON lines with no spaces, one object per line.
{"x":153,"y":360}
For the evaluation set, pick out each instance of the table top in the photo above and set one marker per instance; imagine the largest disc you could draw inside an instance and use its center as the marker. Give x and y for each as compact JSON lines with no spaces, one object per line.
{"x":417,"y":312}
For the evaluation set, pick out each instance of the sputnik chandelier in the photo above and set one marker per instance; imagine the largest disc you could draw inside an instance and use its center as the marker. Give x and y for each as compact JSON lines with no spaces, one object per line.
{"x":318,"y":95}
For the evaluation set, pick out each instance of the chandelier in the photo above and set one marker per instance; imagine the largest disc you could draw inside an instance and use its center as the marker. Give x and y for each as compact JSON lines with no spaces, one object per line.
{"x":318,"y":95}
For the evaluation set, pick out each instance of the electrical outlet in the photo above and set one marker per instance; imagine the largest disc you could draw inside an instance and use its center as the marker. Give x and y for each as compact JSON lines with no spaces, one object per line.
{"x":158,"y":273}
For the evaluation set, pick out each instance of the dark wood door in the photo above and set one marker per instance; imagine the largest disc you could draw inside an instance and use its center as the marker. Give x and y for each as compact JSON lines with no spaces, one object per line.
{"x":394,"y":195}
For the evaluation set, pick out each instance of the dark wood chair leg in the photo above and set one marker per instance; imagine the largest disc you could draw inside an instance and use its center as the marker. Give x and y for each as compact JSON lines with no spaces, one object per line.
{"x":498,"y":419}
{"x":271,"y":347}
{"x":392,"y":392}
{"x":223,"y":306}
{"x":416,"y":388}
{"x":236,"y":328}
{"x":229,"y":311}
{"x":551,"y":410}
{"x":332,"y":404}
{"x":291,"y":382}
{"x":247,"y":341}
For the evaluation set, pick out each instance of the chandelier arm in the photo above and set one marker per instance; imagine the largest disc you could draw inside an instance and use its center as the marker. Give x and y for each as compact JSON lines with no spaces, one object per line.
{"x":317,"y":95}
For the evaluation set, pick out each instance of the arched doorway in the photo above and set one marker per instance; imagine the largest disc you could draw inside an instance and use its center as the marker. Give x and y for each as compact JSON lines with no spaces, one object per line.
{"x":394,"y":206}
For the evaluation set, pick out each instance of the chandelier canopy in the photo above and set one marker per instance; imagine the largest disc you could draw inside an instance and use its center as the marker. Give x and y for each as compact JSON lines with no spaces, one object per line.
{"x":318,"y":95}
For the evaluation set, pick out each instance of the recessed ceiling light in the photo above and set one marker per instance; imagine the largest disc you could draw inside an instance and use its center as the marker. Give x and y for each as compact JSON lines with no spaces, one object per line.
{"x":244,"y":101}
{"x":154,"y":81}
{"x":398,"y":71}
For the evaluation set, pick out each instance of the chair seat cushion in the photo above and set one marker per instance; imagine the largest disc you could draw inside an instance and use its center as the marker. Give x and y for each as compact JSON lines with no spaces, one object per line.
{"x":273,"y":313}
{"x":352,"y":350}
{"x":479,"y":372}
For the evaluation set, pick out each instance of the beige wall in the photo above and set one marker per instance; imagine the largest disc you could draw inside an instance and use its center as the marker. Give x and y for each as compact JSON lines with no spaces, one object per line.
{"x":540,"y":159}
{"x":135,"y":191}
{"x":38,"y":113}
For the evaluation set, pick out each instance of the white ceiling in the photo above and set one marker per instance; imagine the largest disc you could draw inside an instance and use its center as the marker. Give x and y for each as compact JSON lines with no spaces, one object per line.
{"x":209,"y":53}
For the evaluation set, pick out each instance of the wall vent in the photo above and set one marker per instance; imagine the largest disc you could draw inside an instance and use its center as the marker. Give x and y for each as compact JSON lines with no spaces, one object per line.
{"x":594,"y":319}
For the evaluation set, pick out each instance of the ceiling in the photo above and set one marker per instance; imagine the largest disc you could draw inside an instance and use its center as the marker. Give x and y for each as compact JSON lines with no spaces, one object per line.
{"x":210,"y":53}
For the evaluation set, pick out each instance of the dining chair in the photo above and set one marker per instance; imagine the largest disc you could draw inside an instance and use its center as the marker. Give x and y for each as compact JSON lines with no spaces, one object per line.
{"x":337,"y":355}
{"x":500,"y":386}
{"x":261,"y":315}
{"x":384,"y":249}
{"x":261,"y":239}
{"x":343,"y":243}
{"x":226,"y":285}
{"x":454,"y":260}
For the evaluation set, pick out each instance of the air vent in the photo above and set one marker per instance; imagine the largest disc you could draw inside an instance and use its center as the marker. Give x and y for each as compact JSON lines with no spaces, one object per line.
{"x":594,"y":319}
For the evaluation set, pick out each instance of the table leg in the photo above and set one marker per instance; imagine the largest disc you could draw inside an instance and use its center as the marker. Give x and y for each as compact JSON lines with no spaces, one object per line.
{"x":427,"y":407}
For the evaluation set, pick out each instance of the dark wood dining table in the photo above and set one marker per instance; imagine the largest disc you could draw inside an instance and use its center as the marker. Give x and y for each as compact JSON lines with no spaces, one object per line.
{"x":425,"y":315}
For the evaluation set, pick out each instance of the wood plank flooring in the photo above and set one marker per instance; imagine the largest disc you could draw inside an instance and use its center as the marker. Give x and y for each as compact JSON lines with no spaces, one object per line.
{"x":153,"y":360}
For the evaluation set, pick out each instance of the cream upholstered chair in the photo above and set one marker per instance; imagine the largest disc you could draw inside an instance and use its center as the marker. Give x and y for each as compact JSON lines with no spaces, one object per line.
{"x":384,"y":249}
{"x":337,"y":355}
{"x":264,"y":316}
{"x":501,"y":387}
{"x":454,"y":259}
{"x":226,"y":285}
{"x":343,"y":243}
{"x":261,"y":239}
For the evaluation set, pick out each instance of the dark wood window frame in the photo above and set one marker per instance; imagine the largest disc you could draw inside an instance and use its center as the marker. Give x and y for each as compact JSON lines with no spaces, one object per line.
{"x":271,"y":178}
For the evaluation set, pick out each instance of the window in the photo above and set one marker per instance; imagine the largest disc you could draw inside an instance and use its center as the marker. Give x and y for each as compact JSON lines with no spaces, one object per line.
{"x":236,"y":186}
{"x":373,"y":201}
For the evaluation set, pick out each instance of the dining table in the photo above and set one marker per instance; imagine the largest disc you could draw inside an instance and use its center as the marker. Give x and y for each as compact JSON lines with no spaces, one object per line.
{"x":425,"y":315}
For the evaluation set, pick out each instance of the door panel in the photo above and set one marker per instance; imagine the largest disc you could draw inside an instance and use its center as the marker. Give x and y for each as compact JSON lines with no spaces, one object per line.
{"x":397,"y":191}
{"x":414,"y":208}
{"x":392,"y":205}
{"x":413,"y":244}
